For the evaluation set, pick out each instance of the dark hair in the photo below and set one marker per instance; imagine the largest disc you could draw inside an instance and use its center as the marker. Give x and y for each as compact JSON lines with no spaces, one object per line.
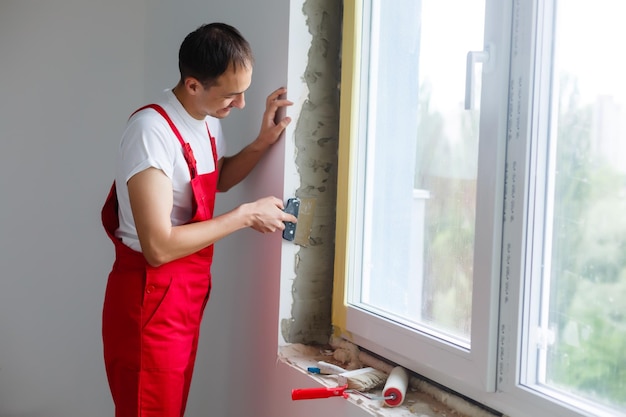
{"x":207,"y":52}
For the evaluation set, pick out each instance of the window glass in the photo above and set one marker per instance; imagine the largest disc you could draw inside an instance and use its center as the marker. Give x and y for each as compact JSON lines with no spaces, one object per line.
{"x":419,"y":199}
{"x":583,"y":312}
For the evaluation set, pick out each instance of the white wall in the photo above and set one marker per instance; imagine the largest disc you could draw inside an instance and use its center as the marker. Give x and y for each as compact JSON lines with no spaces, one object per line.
{"x":71,"y":71}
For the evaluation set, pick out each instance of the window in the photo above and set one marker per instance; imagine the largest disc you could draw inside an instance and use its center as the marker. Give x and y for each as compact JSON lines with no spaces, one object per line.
{"x":480,"y":234}
{"x":576,"y":271}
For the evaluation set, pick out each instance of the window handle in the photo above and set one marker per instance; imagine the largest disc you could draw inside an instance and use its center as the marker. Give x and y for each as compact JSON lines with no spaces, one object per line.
{"x":484,"y":57}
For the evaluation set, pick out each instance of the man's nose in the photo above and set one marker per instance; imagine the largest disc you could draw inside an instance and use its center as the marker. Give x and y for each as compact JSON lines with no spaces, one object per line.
{"x":239,"y":101}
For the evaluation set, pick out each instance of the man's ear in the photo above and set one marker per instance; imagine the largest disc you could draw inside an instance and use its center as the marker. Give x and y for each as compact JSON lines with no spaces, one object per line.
{"x":192,"y":85}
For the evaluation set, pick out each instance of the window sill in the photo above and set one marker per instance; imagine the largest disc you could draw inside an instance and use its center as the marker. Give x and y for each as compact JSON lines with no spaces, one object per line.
{"x":422,"y":398}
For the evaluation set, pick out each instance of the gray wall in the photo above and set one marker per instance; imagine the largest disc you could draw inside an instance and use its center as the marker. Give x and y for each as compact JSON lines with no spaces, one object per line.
{"x":71,"y":71}
{"x":69,"y":74}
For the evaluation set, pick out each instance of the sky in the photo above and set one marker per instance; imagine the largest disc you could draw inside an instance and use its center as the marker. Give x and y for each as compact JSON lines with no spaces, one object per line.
{"x":591,"y":38}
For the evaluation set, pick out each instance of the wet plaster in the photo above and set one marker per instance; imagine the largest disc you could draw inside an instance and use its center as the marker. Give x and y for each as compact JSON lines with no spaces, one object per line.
{"x":316,"y":139}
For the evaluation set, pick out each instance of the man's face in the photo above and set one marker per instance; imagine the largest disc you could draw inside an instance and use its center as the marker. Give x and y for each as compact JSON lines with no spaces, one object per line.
{"x":227,"y":93}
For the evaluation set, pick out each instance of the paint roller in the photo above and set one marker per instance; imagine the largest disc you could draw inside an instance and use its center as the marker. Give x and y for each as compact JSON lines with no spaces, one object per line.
{"x":396,"y":386}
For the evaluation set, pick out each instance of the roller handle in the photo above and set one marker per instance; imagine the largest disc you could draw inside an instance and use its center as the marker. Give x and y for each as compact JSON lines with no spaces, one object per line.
{"x":314,"y":393}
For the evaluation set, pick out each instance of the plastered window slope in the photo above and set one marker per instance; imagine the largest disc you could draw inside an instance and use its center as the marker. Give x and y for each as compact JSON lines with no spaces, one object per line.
{"x":479,"y":236}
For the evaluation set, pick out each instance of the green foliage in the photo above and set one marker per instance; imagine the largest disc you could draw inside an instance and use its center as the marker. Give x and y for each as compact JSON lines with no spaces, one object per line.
{"x":589,"y":359}
{"x":446,"y":167}
{"x":588,"y":281}
{"x":588,"y":274}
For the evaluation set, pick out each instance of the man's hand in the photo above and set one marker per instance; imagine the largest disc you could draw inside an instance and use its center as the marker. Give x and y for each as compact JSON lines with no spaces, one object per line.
{"x":233,"y":169}
{"x":274,"y":121}
{"x":266,"y":215}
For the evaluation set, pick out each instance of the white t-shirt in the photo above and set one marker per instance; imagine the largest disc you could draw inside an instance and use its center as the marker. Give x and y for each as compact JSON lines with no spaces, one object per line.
{"x":148,"y":141}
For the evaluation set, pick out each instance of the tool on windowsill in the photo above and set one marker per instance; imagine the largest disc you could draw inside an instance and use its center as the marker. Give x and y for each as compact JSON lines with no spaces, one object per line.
{"x":359,"y":380}
{"x":396,"y":386}
{"x":325,"y":368}
{"x":327,"y":392}
{"x":350,"y":382}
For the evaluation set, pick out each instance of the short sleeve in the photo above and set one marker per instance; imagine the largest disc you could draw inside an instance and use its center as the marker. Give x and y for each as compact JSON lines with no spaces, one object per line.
{"x":146,"y":143}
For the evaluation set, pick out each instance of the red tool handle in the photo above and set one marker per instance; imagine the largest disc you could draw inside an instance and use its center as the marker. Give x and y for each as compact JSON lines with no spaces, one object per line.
{"x":313,"y":393}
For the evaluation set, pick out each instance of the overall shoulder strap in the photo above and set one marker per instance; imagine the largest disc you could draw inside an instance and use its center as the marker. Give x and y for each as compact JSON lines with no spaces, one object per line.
{"x":187,"y":152}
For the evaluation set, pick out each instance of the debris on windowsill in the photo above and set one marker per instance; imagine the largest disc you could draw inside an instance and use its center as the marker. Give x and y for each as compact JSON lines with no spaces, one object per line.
{"x":422,"y":399}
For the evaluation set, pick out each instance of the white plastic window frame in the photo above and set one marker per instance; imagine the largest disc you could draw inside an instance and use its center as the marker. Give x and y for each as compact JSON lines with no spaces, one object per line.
{"x":528,"y":152}
{"x":514,"y":100}
{"x":453,"y":365}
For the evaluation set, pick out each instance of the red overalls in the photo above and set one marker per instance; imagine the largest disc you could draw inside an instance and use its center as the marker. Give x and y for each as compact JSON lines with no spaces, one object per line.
{"x":151,"y":315}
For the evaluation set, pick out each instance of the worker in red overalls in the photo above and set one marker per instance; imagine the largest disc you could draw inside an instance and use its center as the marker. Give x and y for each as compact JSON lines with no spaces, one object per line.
{"x":159,"y":215}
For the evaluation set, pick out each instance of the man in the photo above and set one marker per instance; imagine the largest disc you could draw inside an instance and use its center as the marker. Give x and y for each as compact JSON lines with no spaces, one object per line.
{"x":159,"y":214}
